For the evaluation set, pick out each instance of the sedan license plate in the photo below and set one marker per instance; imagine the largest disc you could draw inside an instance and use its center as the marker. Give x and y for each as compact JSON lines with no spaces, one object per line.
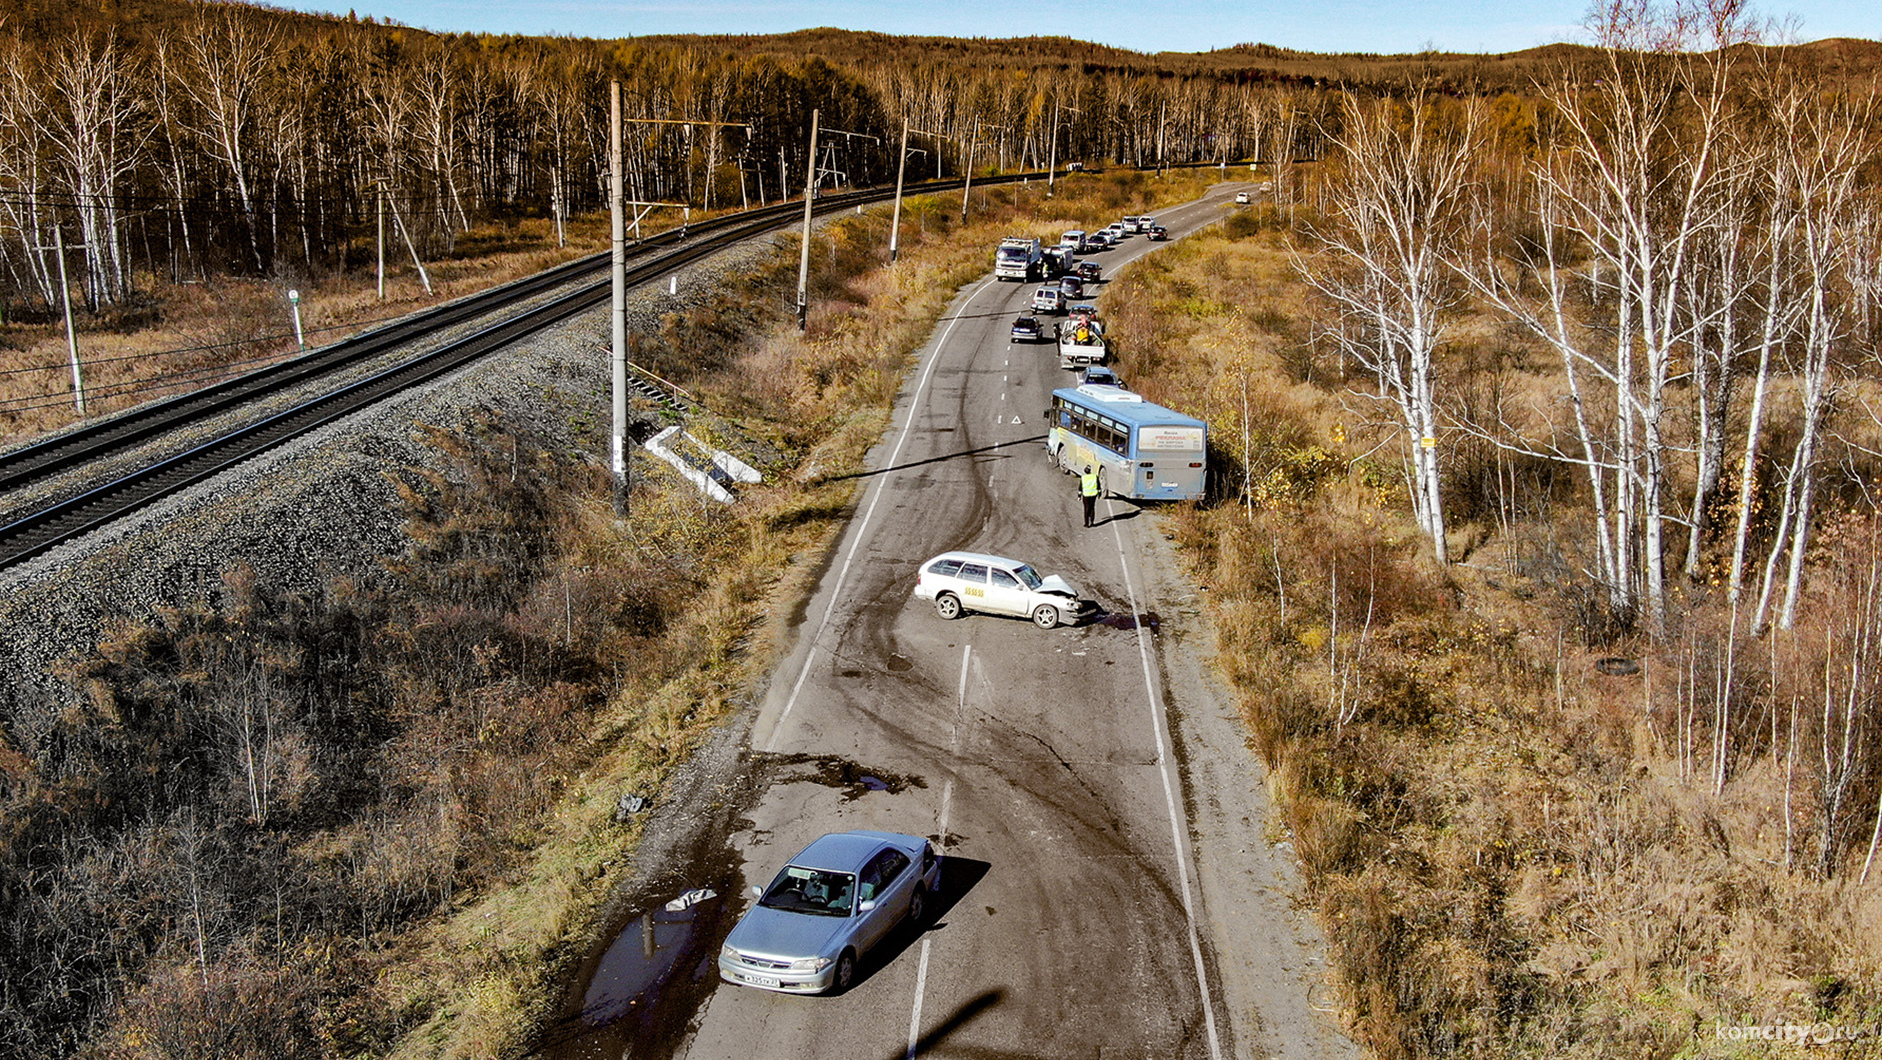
{"x":761,"y":980}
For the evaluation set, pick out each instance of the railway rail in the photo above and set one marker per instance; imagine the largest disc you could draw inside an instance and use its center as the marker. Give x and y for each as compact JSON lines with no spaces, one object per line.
{"x":53,"y":524}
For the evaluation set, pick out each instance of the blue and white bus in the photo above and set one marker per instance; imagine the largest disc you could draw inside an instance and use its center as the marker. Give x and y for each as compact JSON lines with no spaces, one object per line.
{"x":1142,"y":451}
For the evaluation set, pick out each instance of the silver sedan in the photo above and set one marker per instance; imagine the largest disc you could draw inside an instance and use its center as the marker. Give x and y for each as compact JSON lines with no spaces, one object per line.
{"x":837,"y":898}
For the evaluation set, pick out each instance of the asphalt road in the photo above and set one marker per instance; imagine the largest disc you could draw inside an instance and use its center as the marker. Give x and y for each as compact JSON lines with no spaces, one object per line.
{"x":1109,"y":890}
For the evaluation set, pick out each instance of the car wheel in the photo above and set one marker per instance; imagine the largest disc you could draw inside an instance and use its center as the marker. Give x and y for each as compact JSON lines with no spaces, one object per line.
{"x":917,"y":906}
{"x":1045,"y":616}
{"x":948,"y":606}
{"x":845,"y":972}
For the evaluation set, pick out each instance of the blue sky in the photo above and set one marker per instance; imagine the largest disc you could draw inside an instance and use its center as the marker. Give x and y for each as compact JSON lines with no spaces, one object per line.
{"x":1141,"y":25}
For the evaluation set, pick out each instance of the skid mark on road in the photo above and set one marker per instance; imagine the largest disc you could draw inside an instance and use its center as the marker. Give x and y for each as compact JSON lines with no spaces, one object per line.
{"x":842,"y":574}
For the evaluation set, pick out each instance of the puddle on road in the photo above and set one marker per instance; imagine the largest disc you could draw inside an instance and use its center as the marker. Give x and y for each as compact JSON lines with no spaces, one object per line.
{"x":639,"y":1001}
{"x":853,"y":780}
{"x":1149,"y":620}
{"x":630,"y":970}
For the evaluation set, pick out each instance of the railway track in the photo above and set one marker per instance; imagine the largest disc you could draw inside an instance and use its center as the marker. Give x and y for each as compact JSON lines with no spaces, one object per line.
{"x":53,"y":524}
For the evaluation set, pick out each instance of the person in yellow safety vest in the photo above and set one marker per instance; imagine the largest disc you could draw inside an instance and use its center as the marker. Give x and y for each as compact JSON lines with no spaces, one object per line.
{"x":1088,"y":490}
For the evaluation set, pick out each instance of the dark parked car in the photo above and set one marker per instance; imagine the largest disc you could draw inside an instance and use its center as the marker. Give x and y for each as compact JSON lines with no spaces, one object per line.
{"x":1159,"y":233}
{"x":1089,"y":271}
{"x":1027,"y":329}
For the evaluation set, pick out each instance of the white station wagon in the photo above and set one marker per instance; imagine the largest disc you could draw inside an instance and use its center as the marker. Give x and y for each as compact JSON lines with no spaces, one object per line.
{"x":972,"y":581}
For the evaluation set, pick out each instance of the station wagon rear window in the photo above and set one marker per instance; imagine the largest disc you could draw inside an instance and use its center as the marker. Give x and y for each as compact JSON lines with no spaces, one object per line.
{"x":945,"y":568}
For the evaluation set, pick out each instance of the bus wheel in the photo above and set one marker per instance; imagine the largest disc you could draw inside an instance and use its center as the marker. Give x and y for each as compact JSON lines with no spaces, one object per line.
{"x":1103,"y":490}
{"x":1053,"y":456}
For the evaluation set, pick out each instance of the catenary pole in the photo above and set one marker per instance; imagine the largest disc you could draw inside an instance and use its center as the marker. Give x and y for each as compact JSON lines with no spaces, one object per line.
{"x":71,"y":334}
{"x":895,"y":218}
{"x":617,"y":270}
{"x":381,"y":200}
{"x":803,"y":260}
{"x":1052,"y":155}
{"x":968,"y":186}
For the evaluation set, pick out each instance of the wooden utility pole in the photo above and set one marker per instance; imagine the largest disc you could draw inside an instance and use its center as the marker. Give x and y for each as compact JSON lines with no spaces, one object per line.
{"x":382,"y":241}
{"x":803,"y":261}
{"x":617,"y":274}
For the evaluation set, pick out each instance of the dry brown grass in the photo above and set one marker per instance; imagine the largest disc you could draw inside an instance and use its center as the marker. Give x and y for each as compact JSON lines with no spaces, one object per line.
{"x":179,"y":337}
{"x":1512,"y":854}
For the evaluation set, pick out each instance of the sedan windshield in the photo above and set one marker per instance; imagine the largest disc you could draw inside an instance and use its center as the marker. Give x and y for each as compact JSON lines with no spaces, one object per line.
{"x":813,"y":891}
{"x":1027,"y":576}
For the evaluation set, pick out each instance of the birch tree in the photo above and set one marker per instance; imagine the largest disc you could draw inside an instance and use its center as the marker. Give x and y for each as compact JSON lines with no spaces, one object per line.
{"x":1625,"y":197}
{"x":1397,"y":215}
{"x":226,"y":59}
{"x":1827,"y":142}
{"x":22,"y":164}
{"x":94,"y":128}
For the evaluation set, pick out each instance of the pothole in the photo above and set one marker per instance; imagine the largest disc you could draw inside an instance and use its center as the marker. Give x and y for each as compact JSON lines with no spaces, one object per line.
{"x":852,"y":779}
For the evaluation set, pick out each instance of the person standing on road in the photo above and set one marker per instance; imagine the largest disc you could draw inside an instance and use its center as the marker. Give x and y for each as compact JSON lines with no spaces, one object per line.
{"x":1088,"y":490}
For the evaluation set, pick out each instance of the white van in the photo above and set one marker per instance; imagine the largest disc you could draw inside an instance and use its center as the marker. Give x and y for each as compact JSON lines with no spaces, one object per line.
{"x":1073,"y":239}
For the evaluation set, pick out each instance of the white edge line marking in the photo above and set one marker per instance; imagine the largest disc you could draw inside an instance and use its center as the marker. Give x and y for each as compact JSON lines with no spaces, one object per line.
{"x":1169,"y":793}
{"x":914,"y":405}
{"x":947,"y":802}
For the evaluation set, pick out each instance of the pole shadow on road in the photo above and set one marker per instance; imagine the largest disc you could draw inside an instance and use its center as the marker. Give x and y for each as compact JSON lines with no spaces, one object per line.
{"x":1034,"y":440}
{"x":958,"y":876}
{"x":946,"y":1028}
{"x":980,"y":316}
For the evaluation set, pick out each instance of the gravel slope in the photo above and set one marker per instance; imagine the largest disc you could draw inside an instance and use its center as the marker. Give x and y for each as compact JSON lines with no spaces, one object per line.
{"x":322,"y":506}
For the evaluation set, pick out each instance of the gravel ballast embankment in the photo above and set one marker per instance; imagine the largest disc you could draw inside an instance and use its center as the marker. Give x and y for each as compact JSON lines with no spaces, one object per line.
{"x":322,"y":506}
